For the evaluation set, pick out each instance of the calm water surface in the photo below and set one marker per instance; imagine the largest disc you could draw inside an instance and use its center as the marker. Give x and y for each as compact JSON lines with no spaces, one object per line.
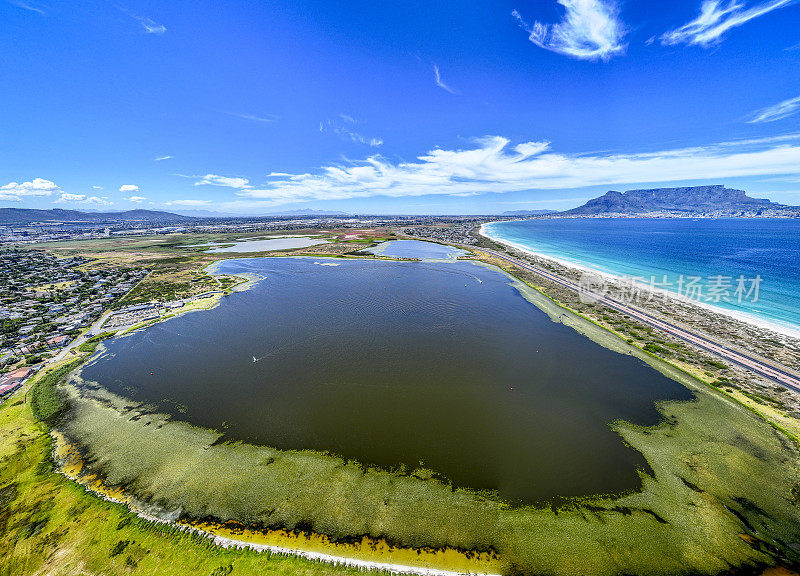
{"x":265,"y":245}
{"x":416,"y":249}
{"x":399,"y":363}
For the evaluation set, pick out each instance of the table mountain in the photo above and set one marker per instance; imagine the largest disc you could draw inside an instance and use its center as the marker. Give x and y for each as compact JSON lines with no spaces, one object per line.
{"x":686,"y":200}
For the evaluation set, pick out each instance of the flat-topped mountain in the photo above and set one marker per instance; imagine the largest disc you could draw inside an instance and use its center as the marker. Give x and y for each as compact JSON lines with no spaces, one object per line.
{"x":686,"y":200}
{"x":22,"y":216}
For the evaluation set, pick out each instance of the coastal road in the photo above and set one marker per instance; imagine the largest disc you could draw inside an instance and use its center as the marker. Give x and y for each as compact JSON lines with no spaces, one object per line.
{"x":768,"y":370}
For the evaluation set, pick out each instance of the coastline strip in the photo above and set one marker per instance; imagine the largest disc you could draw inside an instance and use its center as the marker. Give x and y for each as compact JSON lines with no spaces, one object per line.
{"x":763,"y":323}
{"x":779,"y":375}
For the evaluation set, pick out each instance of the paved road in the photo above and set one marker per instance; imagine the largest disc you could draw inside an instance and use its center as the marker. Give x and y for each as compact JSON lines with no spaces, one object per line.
{"x":770,"y":371}
{"x":94,"y":330}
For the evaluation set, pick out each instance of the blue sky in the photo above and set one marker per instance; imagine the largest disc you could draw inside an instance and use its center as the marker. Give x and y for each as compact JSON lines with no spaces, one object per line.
{"x":393,"y":107}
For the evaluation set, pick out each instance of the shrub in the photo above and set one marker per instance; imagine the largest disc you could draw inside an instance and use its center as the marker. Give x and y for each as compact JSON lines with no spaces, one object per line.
{"x":46,"y":402}
{"x":654,"y":348}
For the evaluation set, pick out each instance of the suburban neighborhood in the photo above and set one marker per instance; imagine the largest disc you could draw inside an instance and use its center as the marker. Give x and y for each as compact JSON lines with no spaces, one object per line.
{"x":45,"y":303}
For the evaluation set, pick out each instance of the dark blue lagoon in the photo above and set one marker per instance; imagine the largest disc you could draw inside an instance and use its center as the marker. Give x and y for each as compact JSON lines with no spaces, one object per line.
{"x":732,"y":248}
{"x":395,"y":364}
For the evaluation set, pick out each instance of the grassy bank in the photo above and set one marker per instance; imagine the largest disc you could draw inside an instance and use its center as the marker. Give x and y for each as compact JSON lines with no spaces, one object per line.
{"x":51,"y":525}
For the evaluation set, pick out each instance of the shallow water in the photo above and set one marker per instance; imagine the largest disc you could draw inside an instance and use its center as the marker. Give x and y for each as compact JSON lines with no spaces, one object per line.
{"x":392,"y":364}
{"x":416,"y":249}
{"x":265,"y":245}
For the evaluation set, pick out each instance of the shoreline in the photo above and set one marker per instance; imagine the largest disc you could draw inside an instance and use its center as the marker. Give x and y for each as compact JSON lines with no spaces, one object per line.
{"x":63,"y":451}
{"x":787,"y":329}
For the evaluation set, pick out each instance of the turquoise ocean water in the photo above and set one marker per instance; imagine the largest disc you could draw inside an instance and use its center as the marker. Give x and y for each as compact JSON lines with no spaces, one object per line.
{"x":750,"y":266}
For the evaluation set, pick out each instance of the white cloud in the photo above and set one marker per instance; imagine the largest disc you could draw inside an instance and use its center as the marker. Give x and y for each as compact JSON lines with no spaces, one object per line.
{"x":100,"y":200}
{"x":215,"y":180}
{"x":129,"y":188}
{"x":493,"y":166}
{"x":189,"y":203}
{"x":65,"y":197}
{"x":160,"y":158}
{"x":97,"y":187}
{"x":439,"y":82}
{"x":136,"y":199}
{"x":716,"y":19}
{"x":778,"y":111}
{"x":37,"y":187}
{"x":590,"y":30}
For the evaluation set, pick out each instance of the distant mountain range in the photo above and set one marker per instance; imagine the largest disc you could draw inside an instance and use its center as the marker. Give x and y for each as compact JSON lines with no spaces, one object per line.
{"x":304,"y":212}
{"x":23,"y":216}
{"x":716,"y":200}
{"x":527,"y":212}
{"x":707,"y":200}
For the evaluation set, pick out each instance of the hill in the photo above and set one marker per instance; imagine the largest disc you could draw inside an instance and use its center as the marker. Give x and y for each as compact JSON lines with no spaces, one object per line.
{"x":716,"y":200}
{"x":23,"y":216}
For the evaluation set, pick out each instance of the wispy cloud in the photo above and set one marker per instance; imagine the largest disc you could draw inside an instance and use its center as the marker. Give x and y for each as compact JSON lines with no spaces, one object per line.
{"x":439,"y":82}
{"x":26,"y":6}
{"x":15,"y":191}
{"x":65,"y":197}
{"x":716,"y":18}
{"x":188,"y":203}
{"x":129,"y":188}
{"x":160,"y":158}
{"x":342,"y":129}
{"x":777,"y":111}
{"x":149,"y":26}
{"x":136,"y":199}
{"x":590,"y":30}
{"x":493,"y":165}
{"x":216,"y":180}
{"x":264,"y":119}
{"x":152,"y":27}
{"x":99,"y":200}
